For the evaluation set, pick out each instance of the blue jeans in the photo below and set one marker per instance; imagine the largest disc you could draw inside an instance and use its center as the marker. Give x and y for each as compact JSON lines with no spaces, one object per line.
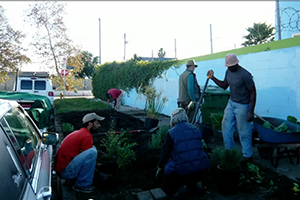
{"x":82,"y":168}
{"x":236,"y":113}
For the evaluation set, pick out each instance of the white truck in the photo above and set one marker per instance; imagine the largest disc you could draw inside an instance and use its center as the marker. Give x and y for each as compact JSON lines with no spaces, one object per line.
{"x":35,"y":83}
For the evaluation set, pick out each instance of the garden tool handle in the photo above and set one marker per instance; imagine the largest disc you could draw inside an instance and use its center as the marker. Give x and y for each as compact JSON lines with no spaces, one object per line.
{"x":210,"y":74}
{"x":259,"y":117}
{"x":200,"y":100}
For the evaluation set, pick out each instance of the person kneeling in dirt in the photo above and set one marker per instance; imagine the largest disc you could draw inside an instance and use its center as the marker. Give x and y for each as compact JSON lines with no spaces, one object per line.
{"x":76,"y":157}
{"x":188,"y":161}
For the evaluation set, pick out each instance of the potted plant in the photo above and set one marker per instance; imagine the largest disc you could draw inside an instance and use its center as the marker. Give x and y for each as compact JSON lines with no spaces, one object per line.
{"x":154,"y":105}
{"x":229,"y":171}
{"x":217,"y":124}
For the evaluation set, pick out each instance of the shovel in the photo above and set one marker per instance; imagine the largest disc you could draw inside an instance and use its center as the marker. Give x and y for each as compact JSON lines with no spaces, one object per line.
{"x":152,"y":130}
{"x":200,"y":100}
{"x":262,"y":119}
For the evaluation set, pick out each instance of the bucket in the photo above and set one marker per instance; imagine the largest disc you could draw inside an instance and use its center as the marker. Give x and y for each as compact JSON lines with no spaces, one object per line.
{"x":228,"y":181}
{"x":150,"y":123}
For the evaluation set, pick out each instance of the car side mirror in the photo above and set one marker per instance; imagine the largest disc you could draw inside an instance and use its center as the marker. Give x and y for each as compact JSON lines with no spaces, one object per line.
{"x":49,"y":138}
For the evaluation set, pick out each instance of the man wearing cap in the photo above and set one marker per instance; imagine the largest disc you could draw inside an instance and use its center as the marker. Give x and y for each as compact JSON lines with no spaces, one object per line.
{"x":240,"y":106}
{"x":189,"y":90}
{"x":76,"y":157}
{"x":182,"y":159}
{"x":117,"y":96}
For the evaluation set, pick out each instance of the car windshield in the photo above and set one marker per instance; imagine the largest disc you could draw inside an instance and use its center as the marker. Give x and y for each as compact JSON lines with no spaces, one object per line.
{"x":24,"y":137}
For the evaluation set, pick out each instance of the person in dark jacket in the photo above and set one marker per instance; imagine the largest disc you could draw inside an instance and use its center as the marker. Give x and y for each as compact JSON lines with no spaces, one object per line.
{"x":182,"y":159}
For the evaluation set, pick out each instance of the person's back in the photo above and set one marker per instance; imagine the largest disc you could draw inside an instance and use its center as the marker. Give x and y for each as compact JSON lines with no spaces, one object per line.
{"x":188,"y":154}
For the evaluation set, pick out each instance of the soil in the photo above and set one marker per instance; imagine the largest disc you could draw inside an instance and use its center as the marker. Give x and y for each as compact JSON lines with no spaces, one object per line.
{"x":140,"y":174}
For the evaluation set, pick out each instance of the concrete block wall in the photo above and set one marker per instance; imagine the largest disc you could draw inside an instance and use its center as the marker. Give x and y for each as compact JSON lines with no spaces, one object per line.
{"x":276,"y":75}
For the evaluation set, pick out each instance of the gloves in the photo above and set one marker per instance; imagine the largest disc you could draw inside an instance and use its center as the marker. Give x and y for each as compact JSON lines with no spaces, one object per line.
{"x":210,"y":74}
{"x":191,"y":105}
{"x":158,"y":172}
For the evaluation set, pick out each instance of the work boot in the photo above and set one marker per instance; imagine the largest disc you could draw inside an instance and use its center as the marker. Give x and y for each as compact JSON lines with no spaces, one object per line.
{"x":245,"y":159}
{"x":104,"y":177}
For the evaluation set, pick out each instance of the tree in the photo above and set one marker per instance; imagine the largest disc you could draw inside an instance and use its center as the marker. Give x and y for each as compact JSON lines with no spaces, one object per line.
{"x":10,"y":49}
{"x":136,"y":58}
{"x":258,"y":34}
{"x":51,"y":41}
{"x":90,"y":64}
{"x":161,"y":53}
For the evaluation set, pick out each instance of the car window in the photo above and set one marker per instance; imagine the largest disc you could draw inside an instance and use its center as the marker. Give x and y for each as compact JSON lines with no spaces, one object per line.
{"x":40,"y":85}
{"x":26,"y":84}
{"x":24,"y":137}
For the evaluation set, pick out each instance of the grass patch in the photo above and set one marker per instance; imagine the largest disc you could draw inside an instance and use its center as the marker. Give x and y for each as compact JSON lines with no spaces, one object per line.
{"x":78,"y":104}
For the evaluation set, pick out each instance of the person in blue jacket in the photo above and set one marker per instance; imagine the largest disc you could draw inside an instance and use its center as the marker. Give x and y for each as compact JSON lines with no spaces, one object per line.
{"x":182,"y":159}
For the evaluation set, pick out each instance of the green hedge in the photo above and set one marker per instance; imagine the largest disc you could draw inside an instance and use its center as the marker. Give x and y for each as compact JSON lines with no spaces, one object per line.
{"x":127,"y":75}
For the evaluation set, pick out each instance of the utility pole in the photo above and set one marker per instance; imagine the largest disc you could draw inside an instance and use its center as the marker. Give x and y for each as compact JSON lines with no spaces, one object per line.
{"x":278,"y":19}
{"x":125,"y":42}
{"x":99,"y":41}
{"x":152,"y":54}
{"x":211,"y":46}
{"x":175,"y":50}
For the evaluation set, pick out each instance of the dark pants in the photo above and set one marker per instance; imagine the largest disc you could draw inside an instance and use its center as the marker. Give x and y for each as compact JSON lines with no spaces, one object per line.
{"x":175,"y":181}
{"x":189,"y":112}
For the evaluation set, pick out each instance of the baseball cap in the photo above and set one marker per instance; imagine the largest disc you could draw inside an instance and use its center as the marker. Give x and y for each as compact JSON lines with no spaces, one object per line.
{"x":92,"y":116}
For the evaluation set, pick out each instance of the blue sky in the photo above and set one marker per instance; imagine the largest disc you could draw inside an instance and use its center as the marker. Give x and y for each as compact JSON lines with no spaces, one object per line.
{"x":151,"y":25}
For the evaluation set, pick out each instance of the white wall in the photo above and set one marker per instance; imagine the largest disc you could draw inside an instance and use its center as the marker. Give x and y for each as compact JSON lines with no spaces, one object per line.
{"x":276,"y":74}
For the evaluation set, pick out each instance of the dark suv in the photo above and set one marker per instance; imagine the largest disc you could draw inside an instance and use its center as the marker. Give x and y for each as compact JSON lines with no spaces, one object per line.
{"x":25,"y":154}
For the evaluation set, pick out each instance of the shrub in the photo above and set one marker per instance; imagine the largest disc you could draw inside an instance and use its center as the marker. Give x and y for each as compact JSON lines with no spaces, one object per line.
{"x":229,"y":158}
{"x":118,"y":148}
{"x":67,"y":127}
{"x":158,"y":138}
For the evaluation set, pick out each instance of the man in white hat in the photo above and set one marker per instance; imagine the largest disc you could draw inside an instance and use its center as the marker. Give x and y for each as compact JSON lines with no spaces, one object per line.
{"x":240,"y":108}
{"x":76,"y":157}
{"x":189,"y":90}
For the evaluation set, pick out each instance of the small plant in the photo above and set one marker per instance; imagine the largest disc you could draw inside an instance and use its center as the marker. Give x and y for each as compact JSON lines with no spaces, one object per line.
{"x":215,"y":157}
{"x":158,"y":138}
{"x":118,"y":148}
{"x":296,"y":187}
{"x":154,"y":102}
{"x":67,"y":127}
{"x":217,"y":121}
{"x":231,"y":159}
{"x":257,"y":174}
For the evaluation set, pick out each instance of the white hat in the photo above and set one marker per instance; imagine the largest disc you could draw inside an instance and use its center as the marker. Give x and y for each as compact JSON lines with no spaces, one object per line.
{"x":191,"y":63}
{"x":91,"y":117}
{"x":231,"y":60}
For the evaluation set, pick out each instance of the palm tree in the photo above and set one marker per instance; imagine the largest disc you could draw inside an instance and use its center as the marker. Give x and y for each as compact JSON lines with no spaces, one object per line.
{"x":258,"y":34}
